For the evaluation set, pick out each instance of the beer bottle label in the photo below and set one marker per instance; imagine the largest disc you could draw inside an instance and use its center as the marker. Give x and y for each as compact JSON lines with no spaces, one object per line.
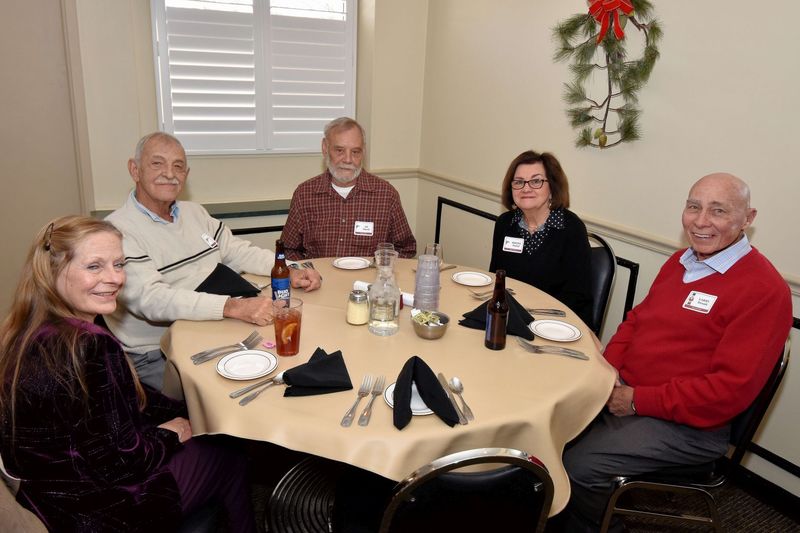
{"x":281,"y":289}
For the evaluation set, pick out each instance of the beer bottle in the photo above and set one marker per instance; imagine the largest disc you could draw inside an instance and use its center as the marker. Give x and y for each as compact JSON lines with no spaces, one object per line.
{"x":497,"y":314}
{"x":281,"y":285}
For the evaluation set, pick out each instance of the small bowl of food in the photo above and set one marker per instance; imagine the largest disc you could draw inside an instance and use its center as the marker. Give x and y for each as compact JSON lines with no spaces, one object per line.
{"x":429,"y":325}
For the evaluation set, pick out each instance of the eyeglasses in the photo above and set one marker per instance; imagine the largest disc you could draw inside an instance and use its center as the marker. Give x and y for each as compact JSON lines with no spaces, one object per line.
{"x":535,"y":183}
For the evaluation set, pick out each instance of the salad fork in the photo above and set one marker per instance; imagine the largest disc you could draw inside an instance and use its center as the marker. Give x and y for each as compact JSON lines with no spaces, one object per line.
{"x":363,"y":391}
{"x":249,"y":343}
{"x":377,"y":390}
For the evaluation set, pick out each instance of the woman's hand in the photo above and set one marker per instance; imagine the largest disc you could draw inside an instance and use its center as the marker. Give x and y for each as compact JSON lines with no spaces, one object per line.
{"x":181,"y":426}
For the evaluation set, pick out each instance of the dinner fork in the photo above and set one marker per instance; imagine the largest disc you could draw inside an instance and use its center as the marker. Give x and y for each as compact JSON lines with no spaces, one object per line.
{"x":363,"y":391}
{"x":556,"y":350}
{"x":363,"y":420}
{"x":250,"y":342}
{"x":307,"y":264}
{"x":486,"y":294}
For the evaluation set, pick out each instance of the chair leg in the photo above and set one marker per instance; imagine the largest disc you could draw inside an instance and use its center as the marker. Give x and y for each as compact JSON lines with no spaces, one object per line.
{"x":612,"y":509}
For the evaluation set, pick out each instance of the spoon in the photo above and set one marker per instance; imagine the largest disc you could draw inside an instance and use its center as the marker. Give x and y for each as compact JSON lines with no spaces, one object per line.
{"x":457,"y":387}
{"x":277,"y":380}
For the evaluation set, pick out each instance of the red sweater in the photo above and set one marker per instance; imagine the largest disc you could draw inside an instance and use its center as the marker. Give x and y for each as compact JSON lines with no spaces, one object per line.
{"x":703,"y":369}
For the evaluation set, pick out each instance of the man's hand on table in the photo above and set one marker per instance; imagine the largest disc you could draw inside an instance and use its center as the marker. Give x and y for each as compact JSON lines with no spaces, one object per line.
{"x":620,"y":403}
{"x":181,"y":426}
{"x":307,"y":279}
{"x":257,"y":310}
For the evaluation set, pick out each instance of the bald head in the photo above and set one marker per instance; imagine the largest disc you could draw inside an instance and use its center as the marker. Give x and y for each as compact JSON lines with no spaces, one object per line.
{"x":716,"y":214}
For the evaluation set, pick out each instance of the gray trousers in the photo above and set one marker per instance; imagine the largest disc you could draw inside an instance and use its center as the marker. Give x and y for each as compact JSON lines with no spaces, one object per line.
{"x":629,"y":445}
{"x":149,"y":367}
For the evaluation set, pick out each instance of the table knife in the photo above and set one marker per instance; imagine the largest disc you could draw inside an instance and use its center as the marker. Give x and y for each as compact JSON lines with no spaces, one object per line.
{"x":443,"y":381}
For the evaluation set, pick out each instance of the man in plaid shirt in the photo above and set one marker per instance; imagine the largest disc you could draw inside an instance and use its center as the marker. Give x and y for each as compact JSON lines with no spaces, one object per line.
{"x":345,"y":211}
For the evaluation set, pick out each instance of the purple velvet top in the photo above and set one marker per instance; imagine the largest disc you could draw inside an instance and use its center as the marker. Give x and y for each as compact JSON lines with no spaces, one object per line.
{"x":99,"y":469}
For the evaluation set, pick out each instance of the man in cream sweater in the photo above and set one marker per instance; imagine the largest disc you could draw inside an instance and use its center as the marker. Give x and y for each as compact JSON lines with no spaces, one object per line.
{"x":170,"y":248}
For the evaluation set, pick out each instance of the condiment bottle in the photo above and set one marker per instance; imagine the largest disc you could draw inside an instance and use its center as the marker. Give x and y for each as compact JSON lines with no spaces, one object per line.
{"x":281,"y":284}
{"x":357,"y":308}
{"x":497,"y":314}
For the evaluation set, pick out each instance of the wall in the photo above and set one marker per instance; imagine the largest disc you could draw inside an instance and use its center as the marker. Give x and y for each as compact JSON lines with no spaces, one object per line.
{"x":36,"y":132}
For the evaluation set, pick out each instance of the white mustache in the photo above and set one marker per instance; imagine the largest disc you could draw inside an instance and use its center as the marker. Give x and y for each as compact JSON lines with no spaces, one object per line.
{"x":167,"y":181}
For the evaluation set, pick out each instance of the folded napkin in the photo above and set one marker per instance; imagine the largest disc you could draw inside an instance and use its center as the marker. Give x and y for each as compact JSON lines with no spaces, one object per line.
{"x":322,"y":374}
{"x":225,"y":281}
{"x":430,"y":390}
{"x":518,"y":318}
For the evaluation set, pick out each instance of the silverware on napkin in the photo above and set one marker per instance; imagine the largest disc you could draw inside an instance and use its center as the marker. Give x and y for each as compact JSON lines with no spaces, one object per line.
{"x":555,"y":350}
{"x":443,"y":382}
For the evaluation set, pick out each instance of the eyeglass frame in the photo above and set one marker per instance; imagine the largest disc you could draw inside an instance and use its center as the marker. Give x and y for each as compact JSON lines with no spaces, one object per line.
{"x":529,"y":183}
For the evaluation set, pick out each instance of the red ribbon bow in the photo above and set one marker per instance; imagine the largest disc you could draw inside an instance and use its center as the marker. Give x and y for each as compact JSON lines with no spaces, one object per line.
{"x":602,"y":10}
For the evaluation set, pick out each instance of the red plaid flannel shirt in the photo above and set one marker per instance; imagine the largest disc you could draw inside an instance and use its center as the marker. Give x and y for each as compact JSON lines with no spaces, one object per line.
{"x":321,"y":223}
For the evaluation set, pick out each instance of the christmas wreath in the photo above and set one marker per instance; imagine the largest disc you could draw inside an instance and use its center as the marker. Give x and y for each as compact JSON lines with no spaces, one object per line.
{"x":595,"y":42}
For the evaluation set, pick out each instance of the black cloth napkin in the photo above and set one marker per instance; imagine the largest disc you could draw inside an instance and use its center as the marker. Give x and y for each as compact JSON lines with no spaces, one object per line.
{"x":322,"y":374}
{"x":225,"y":281}
{"x":417,"y":371}
{"x":518,"y":318}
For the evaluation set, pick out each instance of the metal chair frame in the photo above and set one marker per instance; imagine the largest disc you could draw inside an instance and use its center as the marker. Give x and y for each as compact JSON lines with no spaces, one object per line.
{"x":699,"y":480}
{"x":404,"y":490}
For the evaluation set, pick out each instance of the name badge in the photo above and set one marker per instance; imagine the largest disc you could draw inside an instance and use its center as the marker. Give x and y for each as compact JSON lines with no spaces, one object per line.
{"x":210,"y":241}
{"x":699,"y":302}
{"x":513,"y":245}
{"x":364,"y":228}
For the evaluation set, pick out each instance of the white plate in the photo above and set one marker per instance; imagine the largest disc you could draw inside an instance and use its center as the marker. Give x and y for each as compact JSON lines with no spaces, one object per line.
{"x":418,"y":407}
{"x":472,"y":279}
{"x":351,"y":263}
{"x":555,"y":330}
{"x":247,"y":364}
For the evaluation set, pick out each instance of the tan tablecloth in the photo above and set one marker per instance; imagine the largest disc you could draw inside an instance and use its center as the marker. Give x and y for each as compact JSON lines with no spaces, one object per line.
{"x":534,"y":403}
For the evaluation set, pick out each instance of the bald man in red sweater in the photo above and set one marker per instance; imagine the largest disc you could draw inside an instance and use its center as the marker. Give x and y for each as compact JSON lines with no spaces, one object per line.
{"x":690,"y":357}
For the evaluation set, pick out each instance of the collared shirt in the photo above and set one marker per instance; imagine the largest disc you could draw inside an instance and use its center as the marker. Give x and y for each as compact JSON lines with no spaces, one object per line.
{"x":323,"y":224}
{"x":534,"y":239}
{"x":173,"y":210}
{"x":720,"y":262}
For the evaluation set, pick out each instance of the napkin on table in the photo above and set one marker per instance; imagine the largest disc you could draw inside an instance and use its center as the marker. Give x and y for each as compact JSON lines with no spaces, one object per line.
{"x":430,"y":390}
{"x":518,"y":318}
{"x":225,"y":281}
{"x":322,"y":374}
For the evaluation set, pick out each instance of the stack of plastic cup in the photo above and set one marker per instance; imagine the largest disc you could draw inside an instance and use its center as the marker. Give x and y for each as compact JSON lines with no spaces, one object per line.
{"x":426,"y":289}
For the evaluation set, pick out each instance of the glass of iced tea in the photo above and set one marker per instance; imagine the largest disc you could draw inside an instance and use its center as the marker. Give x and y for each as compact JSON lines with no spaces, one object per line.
{"x":288,"y":316}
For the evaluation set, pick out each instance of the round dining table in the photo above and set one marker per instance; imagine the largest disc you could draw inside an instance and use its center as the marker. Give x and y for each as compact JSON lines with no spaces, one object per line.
{"x":532,"y":402}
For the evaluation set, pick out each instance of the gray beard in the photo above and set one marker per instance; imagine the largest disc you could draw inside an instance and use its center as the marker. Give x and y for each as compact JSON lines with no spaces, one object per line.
{"x":339,"y":181}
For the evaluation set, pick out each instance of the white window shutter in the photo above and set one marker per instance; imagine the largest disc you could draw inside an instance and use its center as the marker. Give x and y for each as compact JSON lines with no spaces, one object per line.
{"x":247,"y":76}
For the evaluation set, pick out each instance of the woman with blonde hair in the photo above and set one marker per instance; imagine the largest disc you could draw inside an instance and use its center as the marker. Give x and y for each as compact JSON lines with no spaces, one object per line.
{"x":93,"y":448}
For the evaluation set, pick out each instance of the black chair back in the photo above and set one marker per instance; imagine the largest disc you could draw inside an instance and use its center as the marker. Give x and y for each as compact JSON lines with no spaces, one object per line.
{"x":604,"y":268}
{"x":745,"y":425}
{"x":514,"y":497}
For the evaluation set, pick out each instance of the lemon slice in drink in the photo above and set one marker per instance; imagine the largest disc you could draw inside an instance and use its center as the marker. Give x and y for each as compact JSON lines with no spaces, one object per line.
{"x":288,"y":332}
